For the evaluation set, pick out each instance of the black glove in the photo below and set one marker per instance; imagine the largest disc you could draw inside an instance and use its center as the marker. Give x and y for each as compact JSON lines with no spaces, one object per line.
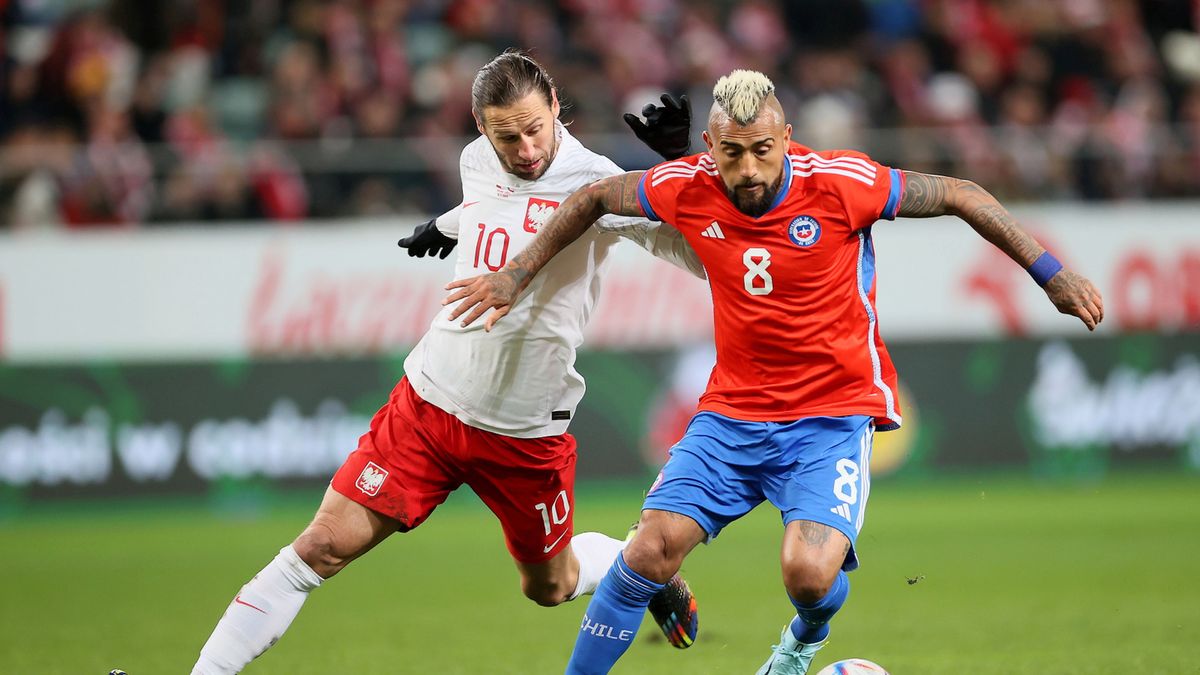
{"x":427,"y":240}
{"x":667,"y":130}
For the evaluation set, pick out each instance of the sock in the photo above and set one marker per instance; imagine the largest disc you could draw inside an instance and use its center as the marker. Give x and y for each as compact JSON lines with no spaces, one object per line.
{"x":811,"y":624}
{"x":258,"y":615}
{"x":596,"y":553}
{"x":611,"y":620}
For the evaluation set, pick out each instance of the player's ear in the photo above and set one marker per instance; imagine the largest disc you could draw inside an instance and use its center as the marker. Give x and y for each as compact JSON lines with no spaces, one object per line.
{"x":479,"y":124}
{"x":554,"y":107}
{"x":707,"y":140}
{"x":787,"y":132}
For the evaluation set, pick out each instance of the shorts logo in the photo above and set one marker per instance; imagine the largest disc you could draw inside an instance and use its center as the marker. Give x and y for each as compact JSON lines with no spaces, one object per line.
{"x":538,"y":212}
{"x":804,"y":231}
{"x":654,"y":486}
{"x":842,"y":510}
{"x":371,"y":479}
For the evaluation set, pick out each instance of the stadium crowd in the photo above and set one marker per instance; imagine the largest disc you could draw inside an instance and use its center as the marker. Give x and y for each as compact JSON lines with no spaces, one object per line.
{"x":130,"y":113}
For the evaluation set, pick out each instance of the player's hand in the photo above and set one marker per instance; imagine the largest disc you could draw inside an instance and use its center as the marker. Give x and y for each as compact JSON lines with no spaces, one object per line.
{"x":427,"y":240}
{"x":1075,"y":295}
{"x":667,"y":129}
{"x":496,"y":291}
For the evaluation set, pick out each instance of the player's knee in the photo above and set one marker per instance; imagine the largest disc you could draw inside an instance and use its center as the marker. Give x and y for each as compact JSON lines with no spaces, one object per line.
{"x":546,"y":592}
{"x":807,"y":581}
{"x":653,"y":557}
{"x":317,"y":547}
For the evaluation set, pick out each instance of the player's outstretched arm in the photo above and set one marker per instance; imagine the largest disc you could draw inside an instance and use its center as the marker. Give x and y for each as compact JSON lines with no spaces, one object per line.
{"x":927,"y":195}
{"x":498,"y":290}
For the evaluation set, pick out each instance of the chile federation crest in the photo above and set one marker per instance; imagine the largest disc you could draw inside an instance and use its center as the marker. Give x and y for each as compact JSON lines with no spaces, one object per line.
{"x":804,"y":231}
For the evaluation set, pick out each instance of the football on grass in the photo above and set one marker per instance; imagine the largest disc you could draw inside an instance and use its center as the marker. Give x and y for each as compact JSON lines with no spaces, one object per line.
{"x":853,"y":667}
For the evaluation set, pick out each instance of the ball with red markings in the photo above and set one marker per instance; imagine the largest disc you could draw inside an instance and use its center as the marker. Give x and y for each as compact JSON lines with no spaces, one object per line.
{"x":853,"y":667}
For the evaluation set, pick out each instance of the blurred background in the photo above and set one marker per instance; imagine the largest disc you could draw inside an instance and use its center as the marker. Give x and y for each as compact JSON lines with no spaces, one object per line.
{"x":140,"y":114}
{"x":201,"y":301}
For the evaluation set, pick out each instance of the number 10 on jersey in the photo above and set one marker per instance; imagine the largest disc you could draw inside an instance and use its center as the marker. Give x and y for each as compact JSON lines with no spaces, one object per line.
{"x":491,"y":248}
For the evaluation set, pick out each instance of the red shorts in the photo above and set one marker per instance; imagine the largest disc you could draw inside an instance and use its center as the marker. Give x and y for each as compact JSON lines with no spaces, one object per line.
{"x":416,"y":454}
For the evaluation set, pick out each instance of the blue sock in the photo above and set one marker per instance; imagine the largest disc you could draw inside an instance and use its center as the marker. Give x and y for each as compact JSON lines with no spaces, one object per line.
{"x":611,"y":620}
{"x":811,"y":624}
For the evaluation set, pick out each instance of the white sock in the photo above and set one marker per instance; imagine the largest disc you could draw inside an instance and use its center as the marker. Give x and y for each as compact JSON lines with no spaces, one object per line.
{"x":596,"y":553}
{"x":258,"y":615}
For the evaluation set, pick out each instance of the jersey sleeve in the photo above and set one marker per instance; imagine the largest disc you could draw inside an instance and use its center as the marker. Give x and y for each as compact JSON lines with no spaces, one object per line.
{"x":604,"y":167}
{"x":447,"y":223}
{"x":660,"y":239}
{"x":659,"y":188}
{"x":875,"y":191}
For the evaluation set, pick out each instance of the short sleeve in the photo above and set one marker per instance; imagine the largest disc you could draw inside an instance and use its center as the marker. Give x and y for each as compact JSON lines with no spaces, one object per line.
{"x":659,"y":188}
{"x":875,"y":191}
{"x":658,"y":238}
{"x":448,"y":222}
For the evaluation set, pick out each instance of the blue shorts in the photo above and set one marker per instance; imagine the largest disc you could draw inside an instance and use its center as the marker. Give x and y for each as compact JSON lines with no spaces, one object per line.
{"x":817,"y":469}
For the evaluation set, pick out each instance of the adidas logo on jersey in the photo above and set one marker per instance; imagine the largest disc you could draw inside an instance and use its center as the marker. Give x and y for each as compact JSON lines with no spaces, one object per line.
{"x":713,"y":231}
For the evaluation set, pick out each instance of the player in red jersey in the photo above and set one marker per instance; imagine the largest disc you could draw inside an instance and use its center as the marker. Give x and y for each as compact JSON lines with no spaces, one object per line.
{"x":802,"y":377}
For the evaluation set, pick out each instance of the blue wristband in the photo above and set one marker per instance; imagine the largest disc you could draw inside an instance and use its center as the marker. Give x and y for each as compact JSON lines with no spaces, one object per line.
{"x":1044,"y":268}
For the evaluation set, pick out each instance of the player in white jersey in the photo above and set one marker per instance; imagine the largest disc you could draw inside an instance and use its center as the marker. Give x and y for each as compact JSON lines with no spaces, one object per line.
{"x":488,"y":411}
{"x":501,"y":382}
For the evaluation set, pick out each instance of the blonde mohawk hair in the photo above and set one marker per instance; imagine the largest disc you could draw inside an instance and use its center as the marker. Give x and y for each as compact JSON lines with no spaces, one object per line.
{"x":741,"y":93}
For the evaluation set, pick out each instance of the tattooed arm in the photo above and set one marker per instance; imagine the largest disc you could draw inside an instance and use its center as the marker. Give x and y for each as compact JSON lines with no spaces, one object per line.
{"x":927,"y":195}
{"x":497,"y":291}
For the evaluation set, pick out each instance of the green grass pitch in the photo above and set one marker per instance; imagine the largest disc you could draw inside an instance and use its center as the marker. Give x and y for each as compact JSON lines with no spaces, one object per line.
{"x":1011,"y":576}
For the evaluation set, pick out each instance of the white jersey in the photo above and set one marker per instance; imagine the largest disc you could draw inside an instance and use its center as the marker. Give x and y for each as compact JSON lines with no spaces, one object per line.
{"x":520,"y":379}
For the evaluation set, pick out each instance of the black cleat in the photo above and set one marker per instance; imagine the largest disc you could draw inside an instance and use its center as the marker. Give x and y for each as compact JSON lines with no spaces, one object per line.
{"x":674,"y":610}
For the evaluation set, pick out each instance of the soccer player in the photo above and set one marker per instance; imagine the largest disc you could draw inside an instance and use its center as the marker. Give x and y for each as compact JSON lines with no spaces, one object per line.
{"x":802,"y":379}
{"x":488,"y":411}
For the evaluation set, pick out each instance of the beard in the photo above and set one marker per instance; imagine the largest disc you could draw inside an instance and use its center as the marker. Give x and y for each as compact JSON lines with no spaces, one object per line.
{"x":522,"y":173}
{"x":751,"y":204}
{"x":529,"y":175}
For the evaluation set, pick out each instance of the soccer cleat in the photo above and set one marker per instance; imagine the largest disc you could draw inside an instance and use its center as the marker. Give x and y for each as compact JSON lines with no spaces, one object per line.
{"x":673,"y":608}
{"x":790,"y":656}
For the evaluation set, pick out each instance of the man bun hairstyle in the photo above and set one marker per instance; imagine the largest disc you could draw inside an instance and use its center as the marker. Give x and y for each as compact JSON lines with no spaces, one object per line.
{"x":741,"y":94}
{"x":507,"y":79}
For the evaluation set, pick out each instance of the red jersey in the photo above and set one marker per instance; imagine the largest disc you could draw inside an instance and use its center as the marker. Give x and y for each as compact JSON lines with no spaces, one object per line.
{"x":794,"y":289}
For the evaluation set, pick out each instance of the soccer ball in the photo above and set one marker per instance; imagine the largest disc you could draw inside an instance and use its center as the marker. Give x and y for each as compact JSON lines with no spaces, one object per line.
{"x":853,"y":667}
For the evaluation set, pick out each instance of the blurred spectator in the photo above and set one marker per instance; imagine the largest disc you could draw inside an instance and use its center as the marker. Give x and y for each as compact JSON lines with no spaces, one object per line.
{"x":1031,"y":168}
{"x":110,"y":181}
{"x":120,"y":112}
